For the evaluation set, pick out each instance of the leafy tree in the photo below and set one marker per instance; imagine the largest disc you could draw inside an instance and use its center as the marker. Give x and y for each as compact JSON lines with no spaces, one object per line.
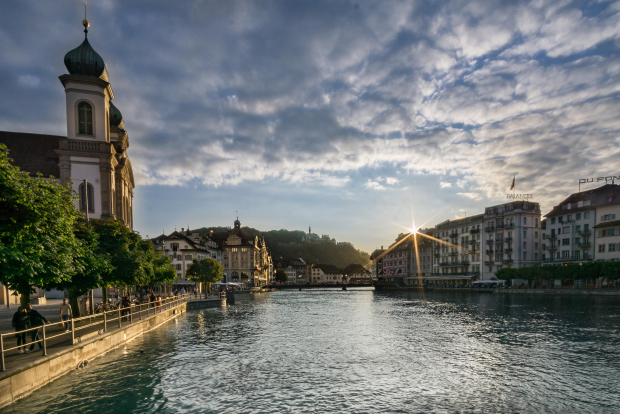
{"x":281,"y":276}
{"x":94,"y":264}
{"x":205,"y":271}
{"x":162,"y":270}
{"x":38,"y":245}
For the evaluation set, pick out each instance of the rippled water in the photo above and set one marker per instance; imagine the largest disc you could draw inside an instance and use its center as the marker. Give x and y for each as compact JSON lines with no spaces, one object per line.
{"x":360,"y":351}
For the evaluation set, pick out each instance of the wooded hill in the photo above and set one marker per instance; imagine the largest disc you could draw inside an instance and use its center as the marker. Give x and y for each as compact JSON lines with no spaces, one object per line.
{"x":288,"y":245}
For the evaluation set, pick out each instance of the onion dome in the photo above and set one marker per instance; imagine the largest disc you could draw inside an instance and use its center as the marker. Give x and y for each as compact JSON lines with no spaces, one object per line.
{"x":84,"y":61}
{"x":115,"y":116}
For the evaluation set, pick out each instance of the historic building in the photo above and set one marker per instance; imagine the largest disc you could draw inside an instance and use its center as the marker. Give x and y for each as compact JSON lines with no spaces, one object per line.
{"x":245,"y":259}
{"x":325,"y":273}
{"x":584,"y":227}
{"x":513,"y":236}
{"x":93,"y":155}
{"x":185,"y":246}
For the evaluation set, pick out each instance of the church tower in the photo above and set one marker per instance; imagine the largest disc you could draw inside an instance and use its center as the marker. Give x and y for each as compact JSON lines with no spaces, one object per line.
{"x":96,"y":143}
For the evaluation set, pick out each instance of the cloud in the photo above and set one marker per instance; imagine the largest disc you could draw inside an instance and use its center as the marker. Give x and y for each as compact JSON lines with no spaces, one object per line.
{"x":473,"y":196}
{"x":225,"y":93}
{"x":373,"y":185}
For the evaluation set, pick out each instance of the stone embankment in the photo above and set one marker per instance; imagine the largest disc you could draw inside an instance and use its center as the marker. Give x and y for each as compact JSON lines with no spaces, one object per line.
{"x":567,"y":292}
{"x":21,"y":379}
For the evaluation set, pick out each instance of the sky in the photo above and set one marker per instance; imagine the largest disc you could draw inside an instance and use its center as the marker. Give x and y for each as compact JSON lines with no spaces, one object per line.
{"x":353,"y":117}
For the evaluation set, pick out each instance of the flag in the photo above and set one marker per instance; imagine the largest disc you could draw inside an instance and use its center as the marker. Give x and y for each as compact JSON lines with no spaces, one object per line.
{"x":513,"y":182}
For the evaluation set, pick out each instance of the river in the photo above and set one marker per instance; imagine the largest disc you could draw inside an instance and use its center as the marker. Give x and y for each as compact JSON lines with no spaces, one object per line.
{"x":360,"y":351}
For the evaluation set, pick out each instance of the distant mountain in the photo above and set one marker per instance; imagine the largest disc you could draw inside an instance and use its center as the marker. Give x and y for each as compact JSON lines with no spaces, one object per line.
{"x":288,"y":245}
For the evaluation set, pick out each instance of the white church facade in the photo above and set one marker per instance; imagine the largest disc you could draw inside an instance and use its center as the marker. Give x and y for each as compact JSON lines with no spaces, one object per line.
{"x":93,"y":154}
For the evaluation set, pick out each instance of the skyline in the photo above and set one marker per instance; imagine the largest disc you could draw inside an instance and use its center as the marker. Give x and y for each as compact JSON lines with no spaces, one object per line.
{"x":345,"y":116}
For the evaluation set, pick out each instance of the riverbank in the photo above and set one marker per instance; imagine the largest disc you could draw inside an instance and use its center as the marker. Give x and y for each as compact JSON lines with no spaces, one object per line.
{"x":23,"y":376}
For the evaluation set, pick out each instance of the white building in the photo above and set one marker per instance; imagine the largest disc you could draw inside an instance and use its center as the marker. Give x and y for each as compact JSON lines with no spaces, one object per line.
{"x":513,"y":236}
{"x":582,"y":228}
{"x":325,"y":273}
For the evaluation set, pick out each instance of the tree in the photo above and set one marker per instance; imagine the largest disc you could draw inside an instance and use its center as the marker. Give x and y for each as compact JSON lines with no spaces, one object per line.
{"x":37,"y":241}
{"x":94,"y":264}
{"x":205,"y":271}
{"x":281,"y":276}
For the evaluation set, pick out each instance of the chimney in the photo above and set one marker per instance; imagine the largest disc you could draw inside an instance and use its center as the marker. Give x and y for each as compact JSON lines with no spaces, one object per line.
{"x":182,"y":229}
{"x":381,"y":247}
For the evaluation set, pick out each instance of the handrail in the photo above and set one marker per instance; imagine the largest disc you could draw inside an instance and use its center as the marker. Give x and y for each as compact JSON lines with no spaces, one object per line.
{"x":99,"y":318}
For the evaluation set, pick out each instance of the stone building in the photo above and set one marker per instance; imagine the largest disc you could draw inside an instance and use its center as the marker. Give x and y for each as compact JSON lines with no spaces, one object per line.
{"x":245,"y":259}
{"x":584,"y":227}
{"x":93,"y":155}
{"x":325,"y":273}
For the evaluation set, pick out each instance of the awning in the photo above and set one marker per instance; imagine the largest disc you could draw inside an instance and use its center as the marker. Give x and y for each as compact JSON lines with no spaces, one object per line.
{"x":489,"y":282}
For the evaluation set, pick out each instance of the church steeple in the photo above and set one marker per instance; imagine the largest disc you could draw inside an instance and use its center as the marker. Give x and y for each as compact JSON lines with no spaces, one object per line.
{"x":237,"y":223}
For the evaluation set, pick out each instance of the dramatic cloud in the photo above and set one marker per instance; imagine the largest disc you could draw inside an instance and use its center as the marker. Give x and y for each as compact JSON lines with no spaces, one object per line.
{"x":311,"y":95}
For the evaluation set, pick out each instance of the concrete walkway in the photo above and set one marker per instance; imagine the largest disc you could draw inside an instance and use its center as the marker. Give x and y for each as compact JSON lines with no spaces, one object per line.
{"x":50,"y":311}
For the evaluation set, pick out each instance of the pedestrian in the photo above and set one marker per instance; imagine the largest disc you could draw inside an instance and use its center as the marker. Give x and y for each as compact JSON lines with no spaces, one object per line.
{"x":19,"y":323}
{"x":158,"y":301}
{"x":152,"y":299}
{"x":182,"y":292}
{"x":66,"y":314}
{"x":125,"y":307}
{"x":35,"y":319}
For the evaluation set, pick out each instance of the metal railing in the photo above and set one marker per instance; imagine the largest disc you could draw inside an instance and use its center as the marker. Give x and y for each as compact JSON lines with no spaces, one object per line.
{"x":127,"y":314}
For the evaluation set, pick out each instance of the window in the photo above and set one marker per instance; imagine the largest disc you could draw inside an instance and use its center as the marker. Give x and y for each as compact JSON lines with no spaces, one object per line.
{"x":536,"y":234}
{"x":535,"y":222}
{"x":524,"y":245}
{"x":188,"y":257}
{"x":175,"y":247}
{"x":612,"y":247}
{"x":601,"y":248}
{"x":586,"y":215}
{"x":524,"y":232}
{"x":565,"y":254}
{"x":608,"y":217}
{"x":524,"y":220}
{"x":552,"y":220}
{"x":524,"y":255}
{"x":85,"y":119}
{"x":578,"y":216}
{"x":566,"y":242}
{"x":536,"y":246}
{"x":179,"y":267}
{"x":535,"y":256}
{"x":88,"y":189}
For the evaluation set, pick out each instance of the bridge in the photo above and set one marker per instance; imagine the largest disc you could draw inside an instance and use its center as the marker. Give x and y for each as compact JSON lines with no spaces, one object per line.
{"x":320,"y":286}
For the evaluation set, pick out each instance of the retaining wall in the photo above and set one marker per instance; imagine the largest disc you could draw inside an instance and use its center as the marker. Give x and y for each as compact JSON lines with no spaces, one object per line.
{"x":21,"y":381}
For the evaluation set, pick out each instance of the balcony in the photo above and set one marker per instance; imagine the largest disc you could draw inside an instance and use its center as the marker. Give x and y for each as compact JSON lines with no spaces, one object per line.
{"x":453,"y":254}
{"x":472,"y":242}
{"x":499,"y":240}
{"x":490,"y":251}
{"x":500,"y":225}
{"x":454,"y":235}
{"x":445,"y":264}
{"x":474,"y":231}
{"x":490,"y":242}
{"x":437,"y":254}
{"x":508,"y":261}
{"x":509,"y":225}
{"x":489,"y":229}
{"x":553,"y":248}
{"x":464,"y":263}
{"x":585,"y":232}
{"x":489,"y":263}
{"x":508,"y":239}
{"x":585,"y":245}
{"x":499,"y":250}
{"x":509,"y":251}
{"x":552,"y":237}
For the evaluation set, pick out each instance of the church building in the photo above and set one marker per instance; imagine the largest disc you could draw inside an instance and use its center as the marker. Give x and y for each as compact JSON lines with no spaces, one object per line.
{"x":93,"y":155}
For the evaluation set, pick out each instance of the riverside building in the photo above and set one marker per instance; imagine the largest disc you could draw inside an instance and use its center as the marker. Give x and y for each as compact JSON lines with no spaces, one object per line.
{"x":584,"y":227}
{"x":513,"y":237}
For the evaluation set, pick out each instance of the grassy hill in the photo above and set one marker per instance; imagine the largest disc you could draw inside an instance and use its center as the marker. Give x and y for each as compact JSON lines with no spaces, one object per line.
{"x":288,"y":244}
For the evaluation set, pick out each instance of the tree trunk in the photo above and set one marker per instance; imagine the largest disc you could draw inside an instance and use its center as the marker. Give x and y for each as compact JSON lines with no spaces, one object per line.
{"x":104,"y":294}
{"x":73,"y":301}
{"x":24,"y":298}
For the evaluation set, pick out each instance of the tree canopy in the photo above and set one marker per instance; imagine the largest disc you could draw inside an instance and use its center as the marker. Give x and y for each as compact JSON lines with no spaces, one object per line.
{"x":281,"y":276}
{"x":38,"y":244}
{"x":205,"y":271}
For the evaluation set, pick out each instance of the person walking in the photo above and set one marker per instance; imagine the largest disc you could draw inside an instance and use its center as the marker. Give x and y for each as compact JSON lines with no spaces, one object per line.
{"x":35,"y":319}
{"x":19,"y":323}
{"x":66,"y":314}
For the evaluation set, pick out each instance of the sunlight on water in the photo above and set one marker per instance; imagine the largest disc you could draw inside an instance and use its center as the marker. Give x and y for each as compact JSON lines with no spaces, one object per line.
{"x":360,"y":351}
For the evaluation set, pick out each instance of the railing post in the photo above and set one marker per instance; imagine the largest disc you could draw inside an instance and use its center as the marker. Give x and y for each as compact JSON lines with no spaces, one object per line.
{"x":140,"y":311}
{"x":119,"y":318}
{"x":1,"y":353}
{"x":44,"y":342}
{"x":130,"y":314}
{"x":105,"y":322}
{"x":72,"y":330}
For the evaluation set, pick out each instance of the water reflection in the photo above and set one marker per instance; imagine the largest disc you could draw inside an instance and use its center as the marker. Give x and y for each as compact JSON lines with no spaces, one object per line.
{"x":360,"y":351}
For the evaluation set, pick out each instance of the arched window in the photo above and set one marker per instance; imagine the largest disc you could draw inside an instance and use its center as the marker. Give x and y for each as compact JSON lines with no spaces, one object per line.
{"x":83,"y":199}
{"x":234,"y":276}
{"x":85,"y":119}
